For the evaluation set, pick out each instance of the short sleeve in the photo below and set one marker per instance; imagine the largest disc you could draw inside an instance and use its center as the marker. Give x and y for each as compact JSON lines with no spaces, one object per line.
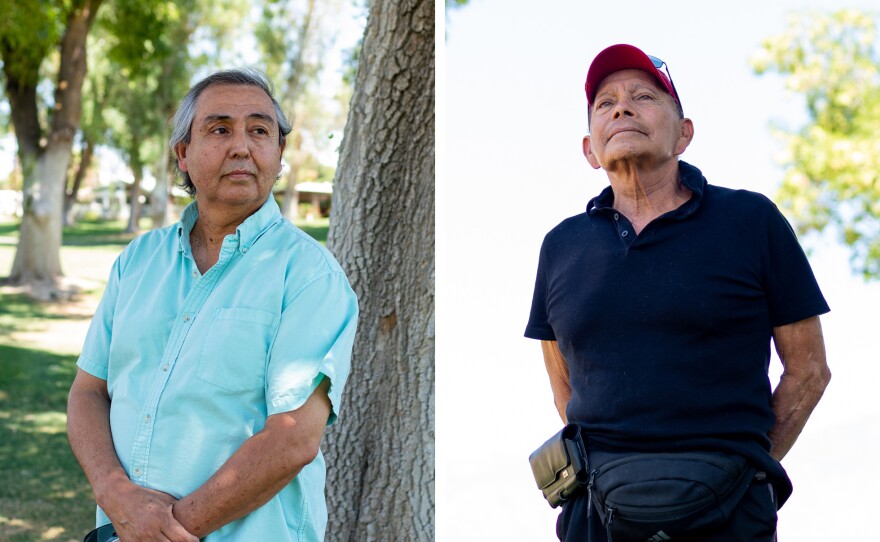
{"x":538,"y":326}
{"x":314,"y":340}
{"x":792,"y":291}
{"x":96,"y":348}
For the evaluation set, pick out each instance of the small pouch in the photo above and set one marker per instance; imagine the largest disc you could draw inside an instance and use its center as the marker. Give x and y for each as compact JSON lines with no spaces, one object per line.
{"x":661,"y":496}
{"x":560,"y":465}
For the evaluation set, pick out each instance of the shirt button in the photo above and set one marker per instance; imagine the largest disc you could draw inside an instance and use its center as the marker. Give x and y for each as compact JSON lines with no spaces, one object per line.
{"x":137,"y":472}
{"x":244,"y":249}
{"x":147,"y":418}
{"x":624,"y":233}
{"x":195,"y":274}
{"x":616,"y":216}
{"x":165,"y":367}
{"x":186,"y":318}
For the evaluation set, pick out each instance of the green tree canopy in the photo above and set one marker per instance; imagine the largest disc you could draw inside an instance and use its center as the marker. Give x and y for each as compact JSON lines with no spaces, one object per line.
{"x":832,"y":164}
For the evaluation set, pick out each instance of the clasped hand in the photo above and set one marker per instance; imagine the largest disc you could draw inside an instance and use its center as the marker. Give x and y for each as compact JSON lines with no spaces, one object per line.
{"x":140,"y":514}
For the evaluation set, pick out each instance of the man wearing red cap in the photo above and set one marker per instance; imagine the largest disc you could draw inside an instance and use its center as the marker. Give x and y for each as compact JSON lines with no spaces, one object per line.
{"x":656,"y":307}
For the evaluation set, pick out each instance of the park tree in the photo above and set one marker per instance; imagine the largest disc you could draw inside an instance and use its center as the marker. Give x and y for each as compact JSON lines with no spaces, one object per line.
{"x":832,"y":164}
{"x":29,"y":32}
{"x":92,"y":132}
{"x":149,"y":64}
{"x":140,"y":46}
{"x":294,"y":37}
{"x":197,"y":34}
{"x":381,"y":456}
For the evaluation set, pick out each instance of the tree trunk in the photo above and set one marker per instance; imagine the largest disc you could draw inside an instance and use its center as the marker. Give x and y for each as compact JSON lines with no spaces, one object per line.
{"x":159,"y":208}
{"x":22,"y":96}
{"x":290,"y":202}
{"x":85,"y":161}
{"x":381,"y":455}
{"x":37,"y":260}
{"x":134,"y":196}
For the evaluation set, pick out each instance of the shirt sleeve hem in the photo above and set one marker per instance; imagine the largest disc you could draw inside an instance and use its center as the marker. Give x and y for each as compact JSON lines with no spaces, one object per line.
{"x":542,"y":334}
{"x":93,"y":368}
{"x":791,"y":317}
{"x":297,"y":398}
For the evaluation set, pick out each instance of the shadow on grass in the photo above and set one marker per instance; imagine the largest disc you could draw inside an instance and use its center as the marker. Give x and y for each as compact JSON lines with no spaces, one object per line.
{"x":18,"y":312}
{"x":98,"y":233}
{"x":8,"y":228}
{"x":20,"y":307}
{"x":41,"y":486}
{"x":83,"y":234}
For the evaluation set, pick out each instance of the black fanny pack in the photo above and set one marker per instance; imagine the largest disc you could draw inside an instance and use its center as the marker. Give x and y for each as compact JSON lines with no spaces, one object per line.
{"x":652,"y":496}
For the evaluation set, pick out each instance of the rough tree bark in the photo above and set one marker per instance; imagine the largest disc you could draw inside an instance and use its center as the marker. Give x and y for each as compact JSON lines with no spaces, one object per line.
{"x":37,"y":260}
{"x":381,"y":455}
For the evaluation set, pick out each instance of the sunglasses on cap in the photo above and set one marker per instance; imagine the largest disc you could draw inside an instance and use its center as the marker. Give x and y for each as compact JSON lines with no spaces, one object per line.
{"x":660,"y":64}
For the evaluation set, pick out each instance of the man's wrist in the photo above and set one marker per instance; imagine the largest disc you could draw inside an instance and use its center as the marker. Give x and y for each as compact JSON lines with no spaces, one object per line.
{"x":110,"y":488}
{"x":178,"y":511}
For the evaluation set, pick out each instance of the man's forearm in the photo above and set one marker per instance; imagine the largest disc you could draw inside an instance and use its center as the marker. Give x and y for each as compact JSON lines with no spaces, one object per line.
{"x":259,"y":469}
{"x":88,"y":431}
{"x":557,"y":370}
{"x":248,"y":480}
{"x":805,"y":376}
{"x":793,"y":401}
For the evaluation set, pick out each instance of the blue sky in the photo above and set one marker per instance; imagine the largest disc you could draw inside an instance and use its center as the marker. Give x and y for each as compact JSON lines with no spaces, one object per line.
{"x":511,"y":116}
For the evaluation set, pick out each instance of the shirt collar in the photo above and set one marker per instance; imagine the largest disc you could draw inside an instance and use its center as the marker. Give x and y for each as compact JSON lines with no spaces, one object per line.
{"x":691,"y":177}
{"x":246,"y":233}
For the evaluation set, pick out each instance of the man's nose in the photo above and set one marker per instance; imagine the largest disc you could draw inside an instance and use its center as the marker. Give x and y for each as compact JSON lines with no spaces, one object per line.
{"x":239,"y":144}
{"x":623,"y":109}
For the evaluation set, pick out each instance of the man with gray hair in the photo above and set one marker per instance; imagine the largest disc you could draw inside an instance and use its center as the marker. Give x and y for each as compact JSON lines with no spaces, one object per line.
{"x":220,"y":348}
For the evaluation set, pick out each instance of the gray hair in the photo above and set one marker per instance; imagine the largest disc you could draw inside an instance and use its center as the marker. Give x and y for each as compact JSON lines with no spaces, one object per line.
{"x":181,"y":123}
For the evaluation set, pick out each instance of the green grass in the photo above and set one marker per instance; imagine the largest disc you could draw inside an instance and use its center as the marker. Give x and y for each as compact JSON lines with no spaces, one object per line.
{"x":98,"y":234}
{"x":317,"y":229}
{"x":43,"y":493}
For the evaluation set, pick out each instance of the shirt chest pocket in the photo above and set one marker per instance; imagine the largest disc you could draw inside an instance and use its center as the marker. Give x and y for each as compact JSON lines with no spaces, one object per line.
{"x":236,"y":348}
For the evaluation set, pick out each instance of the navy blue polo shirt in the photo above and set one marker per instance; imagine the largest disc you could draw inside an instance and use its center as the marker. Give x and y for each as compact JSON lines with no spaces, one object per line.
{"x":667,"y":333}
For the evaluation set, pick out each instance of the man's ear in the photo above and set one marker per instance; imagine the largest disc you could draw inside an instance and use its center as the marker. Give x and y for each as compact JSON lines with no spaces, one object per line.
{"x":685,"y":137}
{"x":180,"y":153}
{"x":588,"y":153}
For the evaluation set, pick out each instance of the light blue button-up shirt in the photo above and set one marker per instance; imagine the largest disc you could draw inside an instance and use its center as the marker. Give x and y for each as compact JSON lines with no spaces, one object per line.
{"x":196,"y":363}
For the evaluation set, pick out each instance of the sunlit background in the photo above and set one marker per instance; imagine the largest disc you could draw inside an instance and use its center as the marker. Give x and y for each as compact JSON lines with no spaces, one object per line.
{"x":515,"y":114}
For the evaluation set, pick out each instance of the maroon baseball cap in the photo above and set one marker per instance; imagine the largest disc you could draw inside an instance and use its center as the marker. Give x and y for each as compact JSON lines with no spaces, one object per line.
{"x":623,"y":57}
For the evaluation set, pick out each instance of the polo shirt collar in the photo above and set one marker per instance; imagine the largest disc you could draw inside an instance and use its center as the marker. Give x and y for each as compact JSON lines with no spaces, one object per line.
{"x":247,"y":232}
{"x":691,"y":177}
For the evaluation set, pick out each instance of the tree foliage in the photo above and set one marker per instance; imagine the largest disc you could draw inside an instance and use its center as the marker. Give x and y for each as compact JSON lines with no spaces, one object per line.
{"x":294,"y":37}
{"x":29,"y":30}
{"x":832,"y":164}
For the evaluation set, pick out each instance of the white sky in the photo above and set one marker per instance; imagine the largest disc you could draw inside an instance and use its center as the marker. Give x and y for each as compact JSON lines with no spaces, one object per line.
{"x":511,"y":115}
